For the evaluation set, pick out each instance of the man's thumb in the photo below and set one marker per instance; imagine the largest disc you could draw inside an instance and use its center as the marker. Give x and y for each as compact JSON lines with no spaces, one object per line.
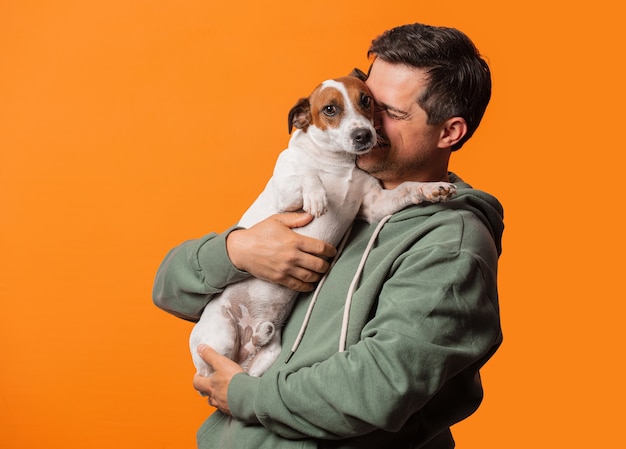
{"x":206,"y":352}
{"x":295,"y":219}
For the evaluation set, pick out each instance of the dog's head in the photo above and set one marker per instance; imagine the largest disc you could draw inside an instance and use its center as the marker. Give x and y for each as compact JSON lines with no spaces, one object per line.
{"x":338,"y":113}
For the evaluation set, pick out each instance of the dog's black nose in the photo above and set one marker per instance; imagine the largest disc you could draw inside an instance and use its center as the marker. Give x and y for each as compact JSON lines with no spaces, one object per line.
{"x":362,"y":139}
{"x":362,"y":136}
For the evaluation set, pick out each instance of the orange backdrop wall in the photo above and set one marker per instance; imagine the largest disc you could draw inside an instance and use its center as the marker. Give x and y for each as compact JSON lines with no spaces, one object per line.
{"x":127,"y":126}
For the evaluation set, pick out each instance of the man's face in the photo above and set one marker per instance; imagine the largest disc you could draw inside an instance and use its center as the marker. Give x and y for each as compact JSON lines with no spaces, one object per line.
{"x":409,"y":150}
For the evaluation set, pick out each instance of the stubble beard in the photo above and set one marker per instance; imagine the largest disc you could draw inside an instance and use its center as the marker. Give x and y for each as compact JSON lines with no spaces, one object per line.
{"x":373,"y":163}
{"x":391,"y":171}
{"x":379,"y":167}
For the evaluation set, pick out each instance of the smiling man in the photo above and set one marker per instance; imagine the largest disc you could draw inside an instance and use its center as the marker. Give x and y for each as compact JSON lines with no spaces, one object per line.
{"x":410,"y":148}
{"x":424,"y":317}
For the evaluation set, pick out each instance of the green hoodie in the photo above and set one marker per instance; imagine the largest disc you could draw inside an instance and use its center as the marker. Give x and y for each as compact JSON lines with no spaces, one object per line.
{"x":423,"y":319}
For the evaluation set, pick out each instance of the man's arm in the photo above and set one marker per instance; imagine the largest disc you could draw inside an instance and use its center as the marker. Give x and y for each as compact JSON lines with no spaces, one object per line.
{"x":195,"y":271}
{"x":271,"y":251}
{"x":192,"y":273}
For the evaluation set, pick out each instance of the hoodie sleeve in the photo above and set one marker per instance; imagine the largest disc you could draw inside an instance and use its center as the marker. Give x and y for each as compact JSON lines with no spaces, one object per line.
{"x":436,"y":323}
{"x":192,"y":273}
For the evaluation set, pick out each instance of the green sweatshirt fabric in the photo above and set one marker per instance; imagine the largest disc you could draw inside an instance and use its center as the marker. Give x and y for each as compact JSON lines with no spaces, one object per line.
{"x":423,"y":320}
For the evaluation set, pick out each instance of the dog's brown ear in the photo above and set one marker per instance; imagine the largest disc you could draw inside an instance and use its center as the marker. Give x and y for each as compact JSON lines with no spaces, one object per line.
{"x":300,"y":115}
{"x":358,"y":73}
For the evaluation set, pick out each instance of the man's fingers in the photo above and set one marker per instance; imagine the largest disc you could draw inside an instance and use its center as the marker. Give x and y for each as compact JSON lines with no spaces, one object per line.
{"x":294,"y":219}
{"x":216,"y":386}
{"x":202,"y":384}
{"x":208,"y":354}
{"x":297,"y":285}
{"x":307,"y":244}
{"x":218,"y":362}
{"x":271,"y":250}
{"x":316,"y":264}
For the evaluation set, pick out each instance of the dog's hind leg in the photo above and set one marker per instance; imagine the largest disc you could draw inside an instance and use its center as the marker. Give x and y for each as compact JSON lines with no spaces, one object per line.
{"x":217,"y":329}
{"x":265,"y":356}
{"x":263,"y":333}
{"x":253,"y":340}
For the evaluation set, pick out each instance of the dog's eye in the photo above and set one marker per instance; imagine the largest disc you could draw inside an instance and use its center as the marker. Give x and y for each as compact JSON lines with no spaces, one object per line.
{"x":329,"y":110}
{"x":366,"y":101}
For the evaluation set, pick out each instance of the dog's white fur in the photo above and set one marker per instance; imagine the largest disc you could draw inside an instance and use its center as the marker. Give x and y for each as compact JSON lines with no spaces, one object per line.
{"x":316,"y":173}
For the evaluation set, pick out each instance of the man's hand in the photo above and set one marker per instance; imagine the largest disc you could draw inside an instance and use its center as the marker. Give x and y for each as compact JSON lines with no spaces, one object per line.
{"x":216,"y":386}
{"x":272,"y":251}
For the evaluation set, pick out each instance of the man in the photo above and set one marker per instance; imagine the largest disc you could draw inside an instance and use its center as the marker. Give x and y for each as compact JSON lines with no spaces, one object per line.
{"x":424,"y":317}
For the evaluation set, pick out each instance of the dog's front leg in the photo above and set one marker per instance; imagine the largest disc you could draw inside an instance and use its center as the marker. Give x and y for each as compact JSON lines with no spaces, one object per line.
{"x":314,"y":197}
{"x":288,"y":193}
{"x":379,"y":202}
{"x":305,"y":192}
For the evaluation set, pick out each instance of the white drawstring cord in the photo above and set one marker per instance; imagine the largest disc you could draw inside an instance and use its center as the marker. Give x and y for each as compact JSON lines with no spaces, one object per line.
{"x":355,"y":280}
{"x":309,"y":311}
{"x":348,"y":302}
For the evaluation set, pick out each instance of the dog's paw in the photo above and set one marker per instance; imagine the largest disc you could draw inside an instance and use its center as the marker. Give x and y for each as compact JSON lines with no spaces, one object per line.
{"x":315,"y":203}
{"x":438,"y":191}
{"x":263,"y":333}
{"x":435,"y":192}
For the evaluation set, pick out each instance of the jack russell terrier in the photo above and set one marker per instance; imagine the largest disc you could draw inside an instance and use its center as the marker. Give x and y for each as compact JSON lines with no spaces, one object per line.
{"x":317,"y":174}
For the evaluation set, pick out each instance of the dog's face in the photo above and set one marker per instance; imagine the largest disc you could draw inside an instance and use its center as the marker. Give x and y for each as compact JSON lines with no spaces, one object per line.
{"x":338,"y":114}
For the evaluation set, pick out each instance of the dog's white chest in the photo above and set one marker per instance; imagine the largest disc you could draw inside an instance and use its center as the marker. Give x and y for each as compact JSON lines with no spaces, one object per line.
{"x":331,"y":192}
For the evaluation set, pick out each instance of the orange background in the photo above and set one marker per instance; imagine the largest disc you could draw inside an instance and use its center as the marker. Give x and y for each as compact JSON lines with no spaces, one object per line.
{"x":127,"y":126}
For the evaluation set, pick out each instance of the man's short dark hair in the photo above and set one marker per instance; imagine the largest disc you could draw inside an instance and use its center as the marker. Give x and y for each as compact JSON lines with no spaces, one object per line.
{"x":459,"y":79}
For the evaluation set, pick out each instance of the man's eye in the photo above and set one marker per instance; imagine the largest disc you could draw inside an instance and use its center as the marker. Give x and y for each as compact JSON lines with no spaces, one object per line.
{"x":387,"y":112}
{"x":329,"y":110}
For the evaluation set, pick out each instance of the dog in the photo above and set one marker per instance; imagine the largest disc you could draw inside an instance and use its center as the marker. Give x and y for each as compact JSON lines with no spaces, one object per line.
{"x":316,"y":173}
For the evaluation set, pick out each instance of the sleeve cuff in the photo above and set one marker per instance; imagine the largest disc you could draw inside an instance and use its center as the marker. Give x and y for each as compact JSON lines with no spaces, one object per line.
{"x":215,"y":263}
{"x":241,"y":394}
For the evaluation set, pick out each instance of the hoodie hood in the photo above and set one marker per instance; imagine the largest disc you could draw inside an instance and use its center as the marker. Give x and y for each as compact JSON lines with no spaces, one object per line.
{"x":485,"y":206}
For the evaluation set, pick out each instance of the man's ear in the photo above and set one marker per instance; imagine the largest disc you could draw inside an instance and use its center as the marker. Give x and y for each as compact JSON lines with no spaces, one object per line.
{"x":358,"y":73}
{"x":452,"y":131}
{"x":300,"y":115}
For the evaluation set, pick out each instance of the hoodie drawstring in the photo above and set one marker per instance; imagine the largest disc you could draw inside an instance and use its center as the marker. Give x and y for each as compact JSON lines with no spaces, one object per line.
{"x":355,"y":280}
{"x":348,"y":301}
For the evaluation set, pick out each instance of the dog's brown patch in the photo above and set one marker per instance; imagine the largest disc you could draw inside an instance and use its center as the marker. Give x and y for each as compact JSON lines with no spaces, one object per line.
{"x":360,"y":96}
{"x":300,"y":115}
{"x":327,"y":107}
{"x":327,"y":104}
